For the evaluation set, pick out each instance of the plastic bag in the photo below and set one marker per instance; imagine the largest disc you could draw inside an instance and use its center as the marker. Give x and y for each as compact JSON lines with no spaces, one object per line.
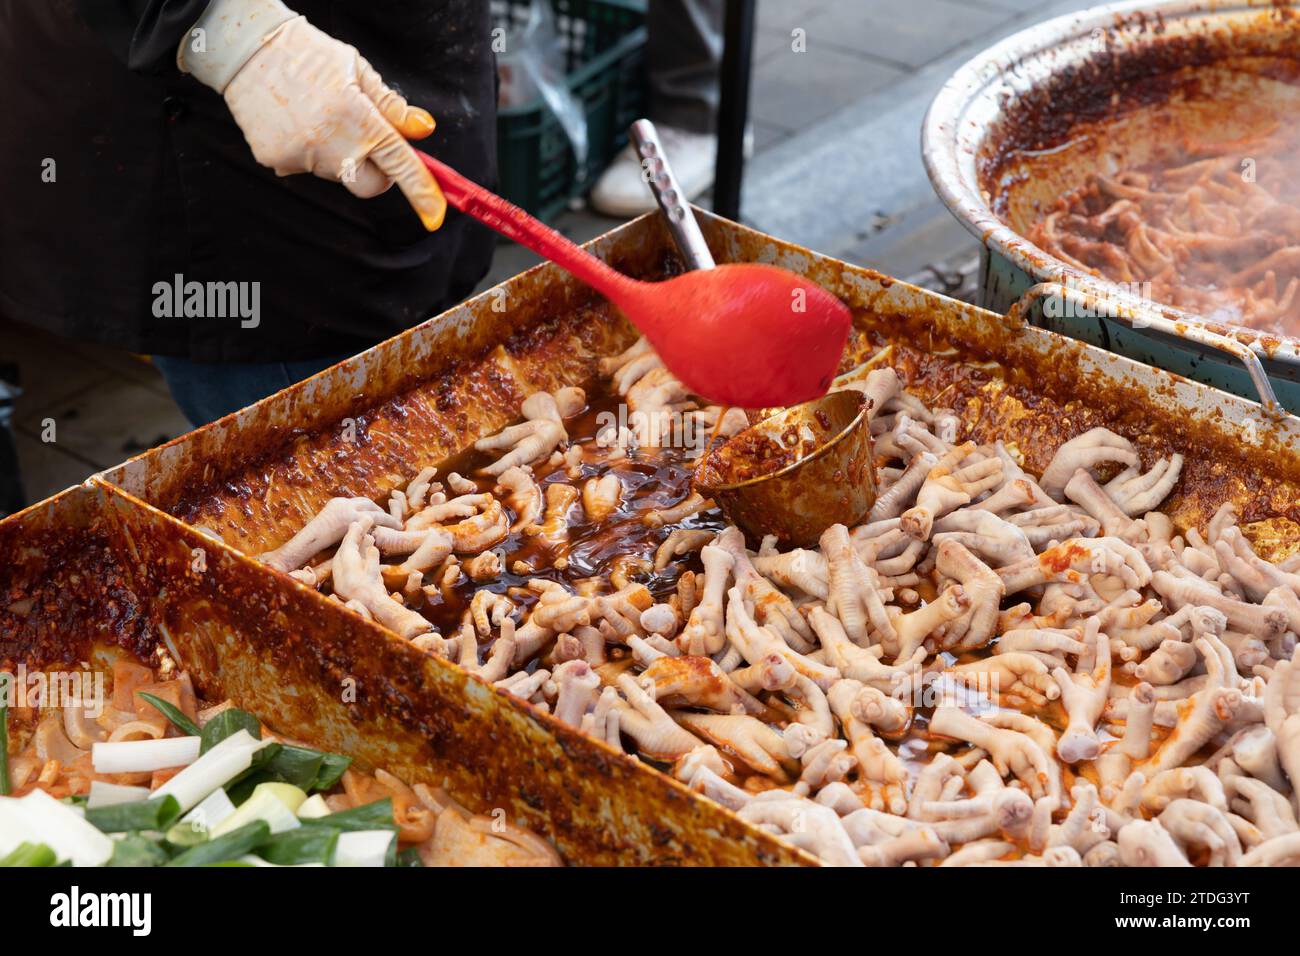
{"x":532,"y":66}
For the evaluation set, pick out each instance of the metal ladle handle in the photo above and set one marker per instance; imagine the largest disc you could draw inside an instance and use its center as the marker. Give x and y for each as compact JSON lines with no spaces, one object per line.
{"x":668,"y":194}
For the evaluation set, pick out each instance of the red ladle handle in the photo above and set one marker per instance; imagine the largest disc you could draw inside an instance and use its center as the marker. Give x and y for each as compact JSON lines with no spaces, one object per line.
{"x":745,"y":334}
{"x":513,"y":223}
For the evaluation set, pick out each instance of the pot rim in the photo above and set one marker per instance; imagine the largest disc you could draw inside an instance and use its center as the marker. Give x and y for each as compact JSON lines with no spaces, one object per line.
{"x":958,"y":120}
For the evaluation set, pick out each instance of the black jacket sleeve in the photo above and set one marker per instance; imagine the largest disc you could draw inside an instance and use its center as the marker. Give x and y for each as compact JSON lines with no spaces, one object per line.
{"x":144,"y":34}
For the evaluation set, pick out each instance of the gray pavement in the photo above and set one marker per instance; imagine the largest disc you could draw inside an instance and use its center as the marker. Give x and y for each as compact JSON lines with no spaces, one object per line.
{"x":837,"y":168}
{"x":851,"y":183}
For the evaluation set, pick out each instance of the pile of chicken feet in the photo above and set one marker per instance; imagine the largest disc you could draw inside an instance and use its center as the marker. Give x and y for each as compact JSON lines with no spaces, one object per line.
{"x":993,"y":669}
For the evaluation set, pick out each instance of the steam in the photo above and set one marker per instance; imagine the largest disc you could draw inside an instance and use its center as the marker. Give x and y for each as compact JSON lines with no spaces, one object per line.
{"x":1214,"y":229}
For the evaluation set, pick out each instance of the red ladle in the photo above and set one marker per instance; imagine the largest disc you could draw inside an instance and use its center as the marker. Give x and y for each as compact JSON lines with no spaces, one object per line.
{"x":743,"y":334}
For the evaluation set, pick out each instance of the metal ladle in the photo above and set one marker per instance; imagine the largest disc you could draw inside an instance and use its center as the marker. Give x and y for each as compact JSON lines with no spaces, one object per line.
{"x":792,"y":473}
{"x":797,"y":472}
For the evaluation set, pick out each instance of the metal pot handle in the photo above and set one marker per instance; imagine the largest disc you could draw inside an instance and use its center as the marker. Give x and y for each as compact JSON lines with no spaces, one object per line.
{"x":1137,"y":315}
{"x":668,"y":193}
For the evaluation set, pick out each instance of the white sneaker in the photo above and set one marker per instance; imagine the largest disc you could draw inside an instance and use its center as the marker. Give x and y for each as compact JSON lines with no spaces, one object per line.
{"x":622,"y":192}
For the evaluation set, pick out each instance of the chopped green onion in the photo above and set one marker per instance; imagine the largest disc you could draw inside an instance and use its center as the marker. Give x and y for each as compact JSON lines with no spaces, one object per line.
{"x":107,"y":794}
{"x":240,"y":789}
{"x":174,"y":714}
{"x":209,"y":814}
{"x":294,"y":765}
{"x":136,"y":850}
{"x":144,"y":756}
{"x":370,"y":816}
{"x":236,"y":789}
{"x":29,"y":854}
{"x":273,"y":803}
{"x":6,"y":786}
{"x":13,"y":826}
{"x":331,"y":771}
{"x":225,"y":762}
{"x":63,"y":829}
{"x":366,"y":848}
{"x":307,"y":769}
{"x":231,"y":846}
{"x":156,"y":814}
{"x":185,"y":834}
{"x":228,"y":723}
{"x":251,"y":860}
{"x":313,"y":807}
{"x":410,"y":857}
{"x":303,"y":845}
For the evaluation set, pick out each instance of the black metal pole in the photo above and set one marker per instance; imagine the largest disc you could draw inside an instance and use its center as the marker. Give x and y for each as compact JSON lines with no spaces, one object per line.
{"x":733,"y":106}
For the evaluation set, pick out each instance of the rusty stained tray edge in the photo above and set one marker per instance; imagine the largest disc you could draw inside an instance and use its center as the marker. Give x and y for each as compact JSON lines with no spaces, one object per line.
{"x":693,"y":826}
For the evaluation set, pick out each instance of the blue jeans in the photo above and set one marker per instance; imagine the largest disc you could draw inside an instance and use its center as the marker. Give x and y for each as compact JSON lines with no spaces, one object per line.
{"x":206,"y":391}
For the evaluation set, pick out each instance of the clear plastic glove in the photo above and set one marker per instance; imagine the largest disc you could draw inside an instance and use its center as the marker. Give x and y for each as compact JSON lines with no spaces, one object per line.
{"x":308,"y":103}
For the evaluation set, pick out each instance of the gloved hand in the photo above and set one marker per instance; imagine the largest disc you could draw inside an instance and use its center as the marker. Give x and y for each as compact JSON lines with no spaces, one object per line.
{"x":308,"y":103}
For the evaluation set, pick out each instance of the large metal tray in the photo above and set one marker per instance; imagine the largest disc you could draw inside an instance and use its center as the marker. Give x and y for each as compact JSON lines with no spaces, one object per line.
{"x":117,"y":557}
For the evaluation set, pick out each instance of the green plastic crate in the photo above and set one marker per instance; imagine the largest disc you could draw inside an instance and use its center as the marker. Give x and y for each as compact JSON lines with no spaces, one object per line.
{"x":604,"y":46}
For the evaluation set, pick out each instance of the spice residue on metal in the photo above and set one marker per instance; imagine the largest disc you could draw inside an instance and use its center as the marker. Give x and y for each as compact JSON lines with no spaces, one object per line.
{"x":796,"y":472}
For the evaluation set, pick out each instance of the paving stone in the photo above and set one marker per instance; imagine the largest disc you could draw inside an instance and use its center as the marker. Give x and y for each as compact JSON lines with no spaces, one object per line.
{"x":767,"y":42}
{"x":47,"y":470}
{"x":109,"y":423}
{"x":824,"y":186}
{"x":795,"y":90}
{"x":901,"y":31}
{"x":50,"y":371}
{"x":768,"y":134}
{"x":906,"y":244}
{"x":782,"y":16}
{"x":1016,"y":6}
